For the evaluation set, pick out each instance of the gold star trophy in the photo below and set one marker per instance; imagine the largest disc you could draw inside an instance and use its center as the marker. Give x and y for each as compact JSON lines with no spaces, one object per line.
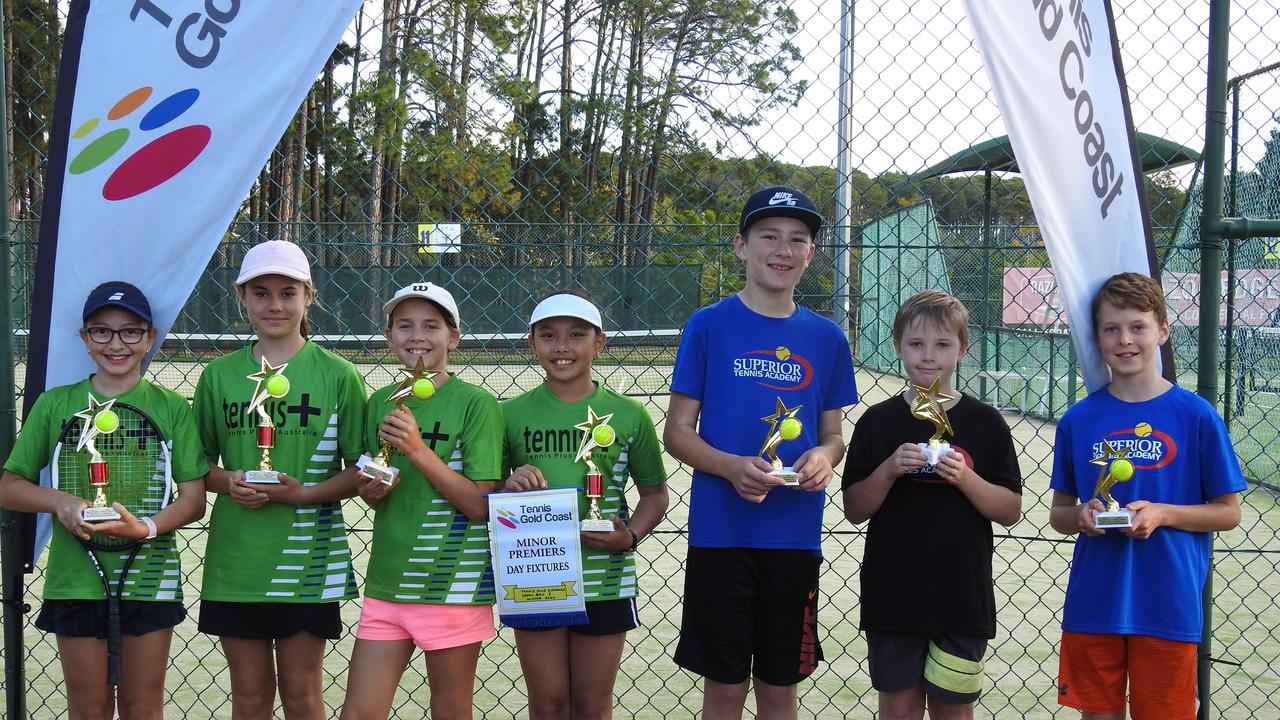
{"x":269,"y":382}
{"x":930,"y":405}
{"x":99,"y":419}
{"x":417,"y":383}
{"x":596,"y":433}
{"x":783,"y":425}
{"x":1113,"y":466}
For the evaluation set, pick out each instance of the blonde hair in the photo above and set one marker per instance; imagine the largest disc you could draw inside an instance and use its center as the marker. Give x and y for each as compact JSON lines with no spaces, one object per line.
{"x":935,"y":306}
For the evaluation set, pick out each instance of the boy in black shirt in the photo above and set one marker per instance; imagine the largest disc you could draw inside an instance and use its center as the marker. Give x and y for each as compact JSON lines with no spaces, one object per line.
{"x":928,"y":605}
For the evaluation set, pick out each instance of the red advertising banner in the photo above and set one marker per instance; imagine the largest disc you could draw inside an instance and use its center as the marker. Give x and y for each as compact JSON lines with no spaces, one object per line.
{"x":1032,"y":297}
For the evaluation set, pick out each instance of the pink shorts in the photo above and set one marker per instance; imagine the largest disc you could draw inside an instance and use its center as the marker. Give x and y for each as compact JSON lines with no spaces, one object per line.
{"x":430,"y":627}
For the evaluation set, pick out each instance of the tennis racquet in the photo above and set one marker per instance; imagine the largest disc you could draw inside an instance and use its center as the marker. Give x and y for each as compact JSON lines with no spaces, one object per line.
{"x":140,"y":478}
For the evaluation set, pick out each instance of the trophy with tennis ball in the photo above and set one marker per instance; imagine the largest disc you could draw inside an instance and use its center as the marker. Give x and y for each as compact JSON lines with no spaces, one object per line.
{"x":99,"y":419}
{"x":930,"y":405}
{"x":269,"y":383}
{"x":417,"y":383}
{"x":596,"y":433}
{"x":1114,"y":466}
{"x":783,"y":425}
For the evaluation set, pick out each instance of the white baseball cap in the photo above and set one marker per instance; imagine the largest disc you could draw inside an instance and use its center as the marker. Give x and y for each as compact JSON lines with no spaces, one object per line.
{"x":274,"y":257}
{"x":567,"y":305}
{"x":426,"y":291}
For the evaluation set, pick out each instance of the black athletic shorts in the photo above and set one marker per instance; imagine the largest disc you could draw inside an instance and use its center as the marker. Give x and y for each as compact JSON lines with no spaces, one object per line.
{"x":948,"y":667}
{"x":750,"y":612}
{"x":88,"y":618}
{"x":604,"y":617}
{"x":268,"y":620}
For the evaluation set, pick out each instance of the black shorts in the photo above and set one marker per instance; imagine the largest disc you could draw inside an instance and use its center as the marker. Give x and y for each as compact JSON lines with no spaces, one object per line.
{"x":88,"y":618}
{"x":268,"y":620}
{"x":948,"y":667}
{"x":750,"y":612}
{"x":604,"y":617}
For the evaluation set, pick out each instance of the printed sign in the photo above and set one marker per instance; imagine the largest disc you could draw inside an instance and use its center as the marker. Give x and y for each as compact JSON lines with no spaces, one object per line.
{"x":537,"y":558}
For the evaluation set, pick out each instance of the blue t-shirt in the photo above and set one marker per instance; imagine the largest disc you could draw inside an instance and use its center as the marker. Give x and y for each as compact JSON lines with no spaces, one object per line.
{"x":1181,"y":455}
{"x":738,"y":363}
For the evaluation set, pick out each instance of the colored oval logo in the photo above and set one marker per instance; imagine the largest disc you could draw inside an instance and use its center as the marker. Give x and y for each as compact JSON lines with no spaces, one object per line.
{"x":99,"y":151}
{"x":157,"y":161}
{"x":129,"y":103}
{"x":168,"y":109}
{"x":506,"y":522}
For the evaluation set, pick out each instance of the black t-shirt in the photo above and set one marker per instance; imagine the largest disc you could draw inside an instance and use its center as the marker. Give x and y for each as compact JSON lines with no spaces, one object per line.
{"x":927,"y":564}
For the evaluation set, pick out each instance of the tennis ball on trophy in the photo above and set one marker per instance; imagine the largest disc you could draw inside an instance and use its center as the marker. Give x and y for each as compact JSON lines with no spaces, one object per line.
{"x":789,"y":429}
{"x":277,"y":386}
{"x":423,"y":388}
{"x":782,"y":353}
{"x":604,"y":435}
{"x":1142,"y":429}
{"x":106,"y":421}
{"x":1122,"y":470}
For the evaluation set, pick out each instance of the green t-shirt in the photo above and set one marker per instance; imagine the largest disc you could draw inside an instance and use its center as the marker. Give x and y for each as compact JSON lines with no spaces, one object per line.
{"x":279,"y":552}
{"x":540,"y":432}
{"x":155,"y":573}
{"x":424,"y":549}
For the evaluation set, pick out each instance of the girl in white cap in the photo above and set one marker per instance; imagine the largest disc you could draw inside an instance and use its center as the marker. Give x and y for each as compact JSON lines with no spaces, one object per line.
{"x":429,"y":584}
{"x":570,"y":671}
{"x":277,"y":562}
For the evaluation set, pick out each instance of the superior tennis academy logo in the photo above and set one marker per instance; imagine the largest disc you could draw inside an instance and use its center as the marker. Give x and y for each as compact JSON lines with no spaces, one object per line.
{"x":154,"y":163}
{"x":1148,"y":447}
{"x":776,"y":369}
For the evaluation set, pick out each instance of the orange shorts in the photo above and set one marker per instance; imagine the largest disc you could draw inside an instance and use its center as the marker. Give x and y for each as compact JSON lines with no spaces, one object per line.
{"x":1161,"y":675}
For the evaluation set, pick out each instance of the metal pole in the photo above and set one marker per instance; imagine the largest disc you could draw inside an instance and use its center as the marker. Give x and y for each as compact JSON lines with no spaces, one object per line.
{"x":1232,"y":209}
{"x":986,"y":284}
{"x":10,"y":538}
{"x":844,"y":170}
{"x":1211,"y":242}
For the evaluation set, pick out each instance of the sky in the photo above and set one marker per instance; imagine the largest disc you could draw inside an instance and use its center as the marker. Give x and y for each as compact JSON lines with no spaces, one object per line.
{"x":921,"y":94}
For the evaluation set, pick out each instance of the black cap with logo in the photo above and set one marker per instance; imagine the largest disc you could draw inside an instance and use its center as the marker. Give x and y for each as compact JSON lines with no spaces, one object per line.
{"x":780,"y":201}
{"x":118,"y":294}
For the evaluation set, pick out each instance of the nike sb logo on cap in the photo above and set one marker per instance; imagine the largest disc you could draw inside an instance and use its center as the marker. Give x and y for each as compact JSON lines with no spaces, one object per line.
{"x":782,"y":198}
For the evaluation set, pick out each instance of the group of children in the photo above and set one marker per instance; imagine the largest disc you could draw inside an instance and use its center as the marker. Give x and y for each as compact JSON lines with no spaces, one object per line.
{"x":277,"y":563}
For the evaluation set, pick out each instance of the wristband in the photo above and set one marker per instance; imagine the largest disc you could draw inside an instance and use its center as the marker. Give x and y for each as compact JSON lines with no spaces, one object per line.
{"x":635,"y":540}
{"x":151,"y":527}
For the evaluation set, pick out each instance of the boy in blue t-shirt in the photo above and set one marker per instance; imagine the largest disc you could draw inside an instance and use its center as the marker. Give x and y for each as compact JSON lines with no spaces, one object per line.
{"x":745,"y":364}
{"x":1133,"y":614}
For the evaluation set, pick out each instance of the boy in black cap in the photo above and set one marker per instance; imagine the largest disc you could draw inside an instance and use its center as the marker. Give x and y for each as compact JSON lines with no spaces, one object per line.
{"x":751,"y":580}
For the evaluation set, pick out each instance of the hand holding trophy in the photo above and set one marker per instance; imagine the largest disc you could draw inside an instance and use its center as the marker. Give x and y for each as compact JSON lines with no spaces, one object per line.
{"x":417,"y":383}
{"x":99,"y":419}
{"x":783,"y":425}
{"x":596,"y":433}
{"x":269,"y":382}
{"x":930,"y":405}
{"x":1113,"y":466}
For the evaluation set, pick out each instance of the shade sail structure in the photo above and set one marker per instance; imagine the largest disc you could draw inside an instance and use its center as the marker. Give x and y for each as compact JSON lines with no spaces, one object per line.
{"x":996,"y":155}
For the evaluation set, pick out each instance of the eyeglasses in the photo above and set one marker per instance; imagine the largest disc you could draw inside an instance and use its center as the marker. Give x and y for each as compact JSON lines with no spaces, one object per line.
{"x":104,"y":335}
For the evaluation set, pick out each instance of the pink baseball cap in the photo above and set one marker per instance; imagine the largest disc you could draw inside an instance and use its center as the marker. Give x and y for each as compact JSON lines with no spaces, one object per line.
{"x":274,"y":257}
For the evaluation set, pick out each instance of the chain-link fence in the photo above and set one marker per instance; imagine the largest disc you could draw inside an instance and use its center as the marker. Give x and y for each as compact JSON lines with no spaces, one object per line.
{"x":608,"y":145}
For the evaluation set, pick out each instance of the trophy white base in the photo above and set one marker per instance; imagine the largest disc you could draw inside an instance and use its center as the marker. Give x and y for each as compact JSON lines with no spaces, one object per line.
{"x":384,"y":474}
{"x":1104,"y":519}
{"x":99,"y":514}
{"x":597,"y":526}
{"x":262,"y":477}
{"x":787,"y":476}
{"x":933,"y":453}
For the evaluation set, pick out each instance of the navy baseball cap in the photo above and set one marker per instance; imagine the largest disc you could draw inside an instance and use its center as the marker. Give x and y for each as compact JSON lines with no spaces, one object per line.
{"x":780,"y":201}
{"x":118,"y":294}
